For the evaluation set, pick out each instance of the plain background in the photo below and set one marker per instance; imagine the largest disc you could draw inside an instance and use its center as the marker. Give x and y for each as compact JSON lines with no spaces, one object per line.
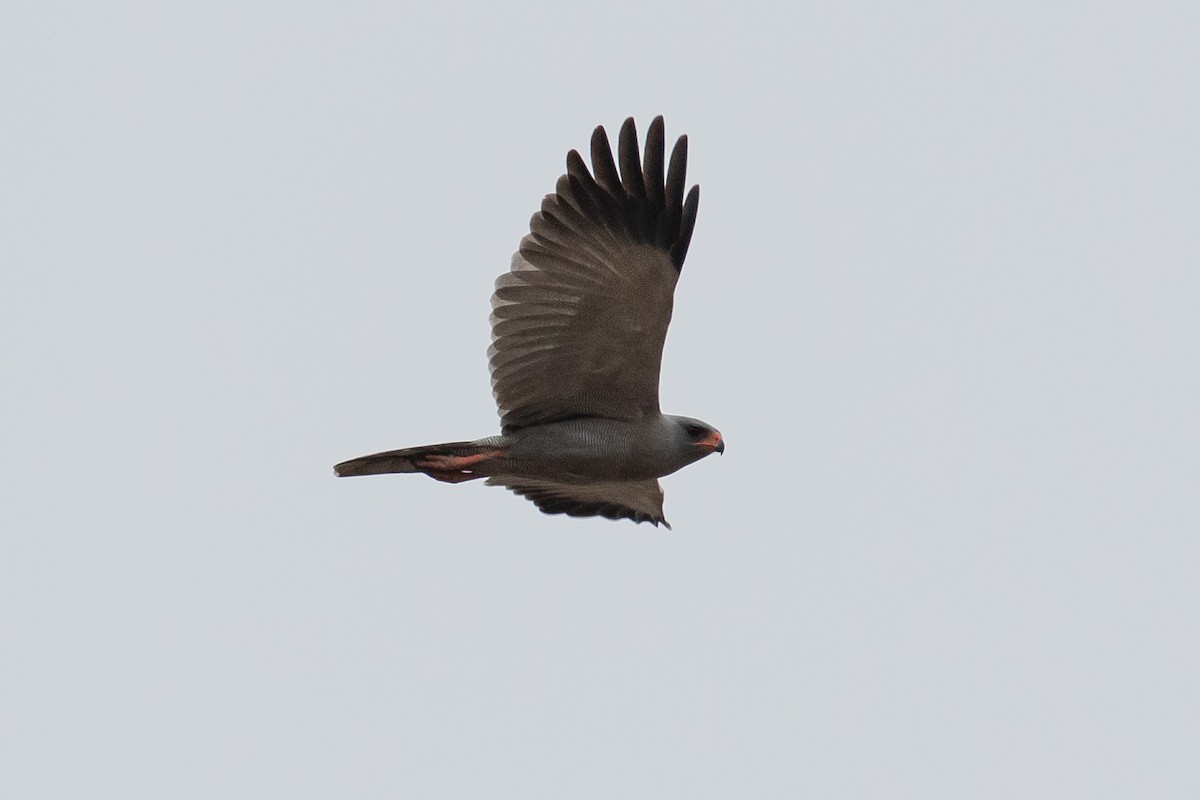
{"x":941,"y":300}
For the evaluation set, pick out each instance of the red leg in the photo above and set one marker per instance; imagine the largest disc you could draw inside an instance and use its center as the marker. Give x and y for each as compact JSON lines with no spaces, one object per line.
{"x":455,"y":469}
{"x":456,"y":462}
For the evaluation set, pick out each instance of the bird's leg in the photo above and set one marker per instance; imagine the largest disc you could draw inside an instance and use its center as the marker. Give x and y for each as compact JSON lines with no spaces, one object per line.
{"x":454,"y":469}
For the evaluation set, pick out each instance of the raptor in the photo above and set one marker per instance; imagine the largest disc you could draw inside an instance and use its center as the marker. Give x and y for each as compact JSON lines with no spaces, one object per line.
{"x":578,"y":325}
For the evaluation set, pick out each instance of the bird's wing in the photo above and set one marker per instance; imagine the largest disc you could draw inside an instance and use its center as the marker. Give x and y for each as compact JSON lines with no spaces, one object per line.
{"x":578,"y":323}
{"x":640,"y":501}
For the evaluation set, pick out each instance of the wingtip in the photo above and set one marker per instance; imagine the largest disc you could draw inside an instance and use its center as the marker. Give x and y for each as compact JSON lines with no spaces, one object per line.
{"x":600,"y":137}
{"x":656,"y":134}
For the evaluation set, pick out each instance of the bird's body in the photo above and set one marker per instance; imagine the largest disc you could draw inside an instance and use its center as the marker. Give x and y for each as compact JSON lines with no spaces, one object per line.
{"x":578,"y":325}
{"x":601,"y":449}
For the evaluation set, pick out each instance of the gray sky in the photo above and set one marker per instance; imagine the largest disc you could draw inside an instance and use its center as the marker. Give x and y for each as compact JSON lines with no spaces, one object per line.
{"x":941,"y":300}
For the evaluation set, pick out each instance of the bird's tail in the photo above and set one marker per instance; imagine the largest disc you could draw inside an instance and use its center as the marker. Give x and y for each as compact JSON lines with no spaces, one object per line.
{"x":451,"y":462}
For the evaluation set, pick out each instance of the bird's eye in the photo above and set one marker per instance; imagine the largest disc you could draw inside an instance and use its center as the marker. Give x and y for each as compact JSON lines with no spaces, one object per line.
{"x":695,"y":431}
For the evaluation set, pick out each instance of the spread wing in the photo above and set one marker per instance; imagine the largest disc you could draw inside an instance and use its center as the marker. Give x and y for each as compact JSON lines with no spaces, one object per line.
{"x":640,"y":501}
{"x":578,"y":323}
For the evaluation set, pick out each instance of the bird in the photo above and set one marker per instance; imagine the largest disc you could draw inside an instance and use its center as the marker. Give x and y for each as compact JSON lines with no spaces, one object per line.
{"x":578,"y":325}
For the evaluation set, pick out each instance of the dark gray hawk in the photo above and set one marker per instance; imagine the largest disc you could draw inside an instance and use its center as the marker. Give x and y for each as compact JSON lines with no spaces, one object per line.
{"x":578,"y":324}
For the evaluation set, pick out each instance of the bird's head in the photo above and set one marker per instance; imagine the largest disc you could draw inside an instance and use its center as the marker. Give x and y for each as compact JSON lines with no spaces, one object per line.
{"x":700,"y":435}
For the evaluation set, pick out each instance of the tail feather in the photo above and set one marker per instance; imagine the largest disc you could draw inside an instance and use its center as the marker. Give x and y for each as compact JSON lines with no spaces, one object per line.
{"x":405,"y":460}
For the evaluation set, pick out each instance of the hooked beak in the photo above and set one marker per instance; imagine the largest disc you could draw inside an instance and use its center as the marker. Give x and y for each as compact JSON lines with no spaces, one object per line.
{"x":713,"y":443}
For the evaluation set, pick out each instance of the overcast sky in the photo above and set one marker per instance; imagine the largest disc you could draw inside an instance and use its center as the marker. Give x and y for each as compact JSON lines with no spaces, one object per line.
{"x":942,"y":300}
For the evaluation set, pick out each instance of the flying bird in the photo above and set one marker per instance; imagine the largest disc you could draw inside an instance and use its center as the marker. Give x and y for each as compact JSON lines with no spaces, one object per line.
{"x":578,"y":324}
